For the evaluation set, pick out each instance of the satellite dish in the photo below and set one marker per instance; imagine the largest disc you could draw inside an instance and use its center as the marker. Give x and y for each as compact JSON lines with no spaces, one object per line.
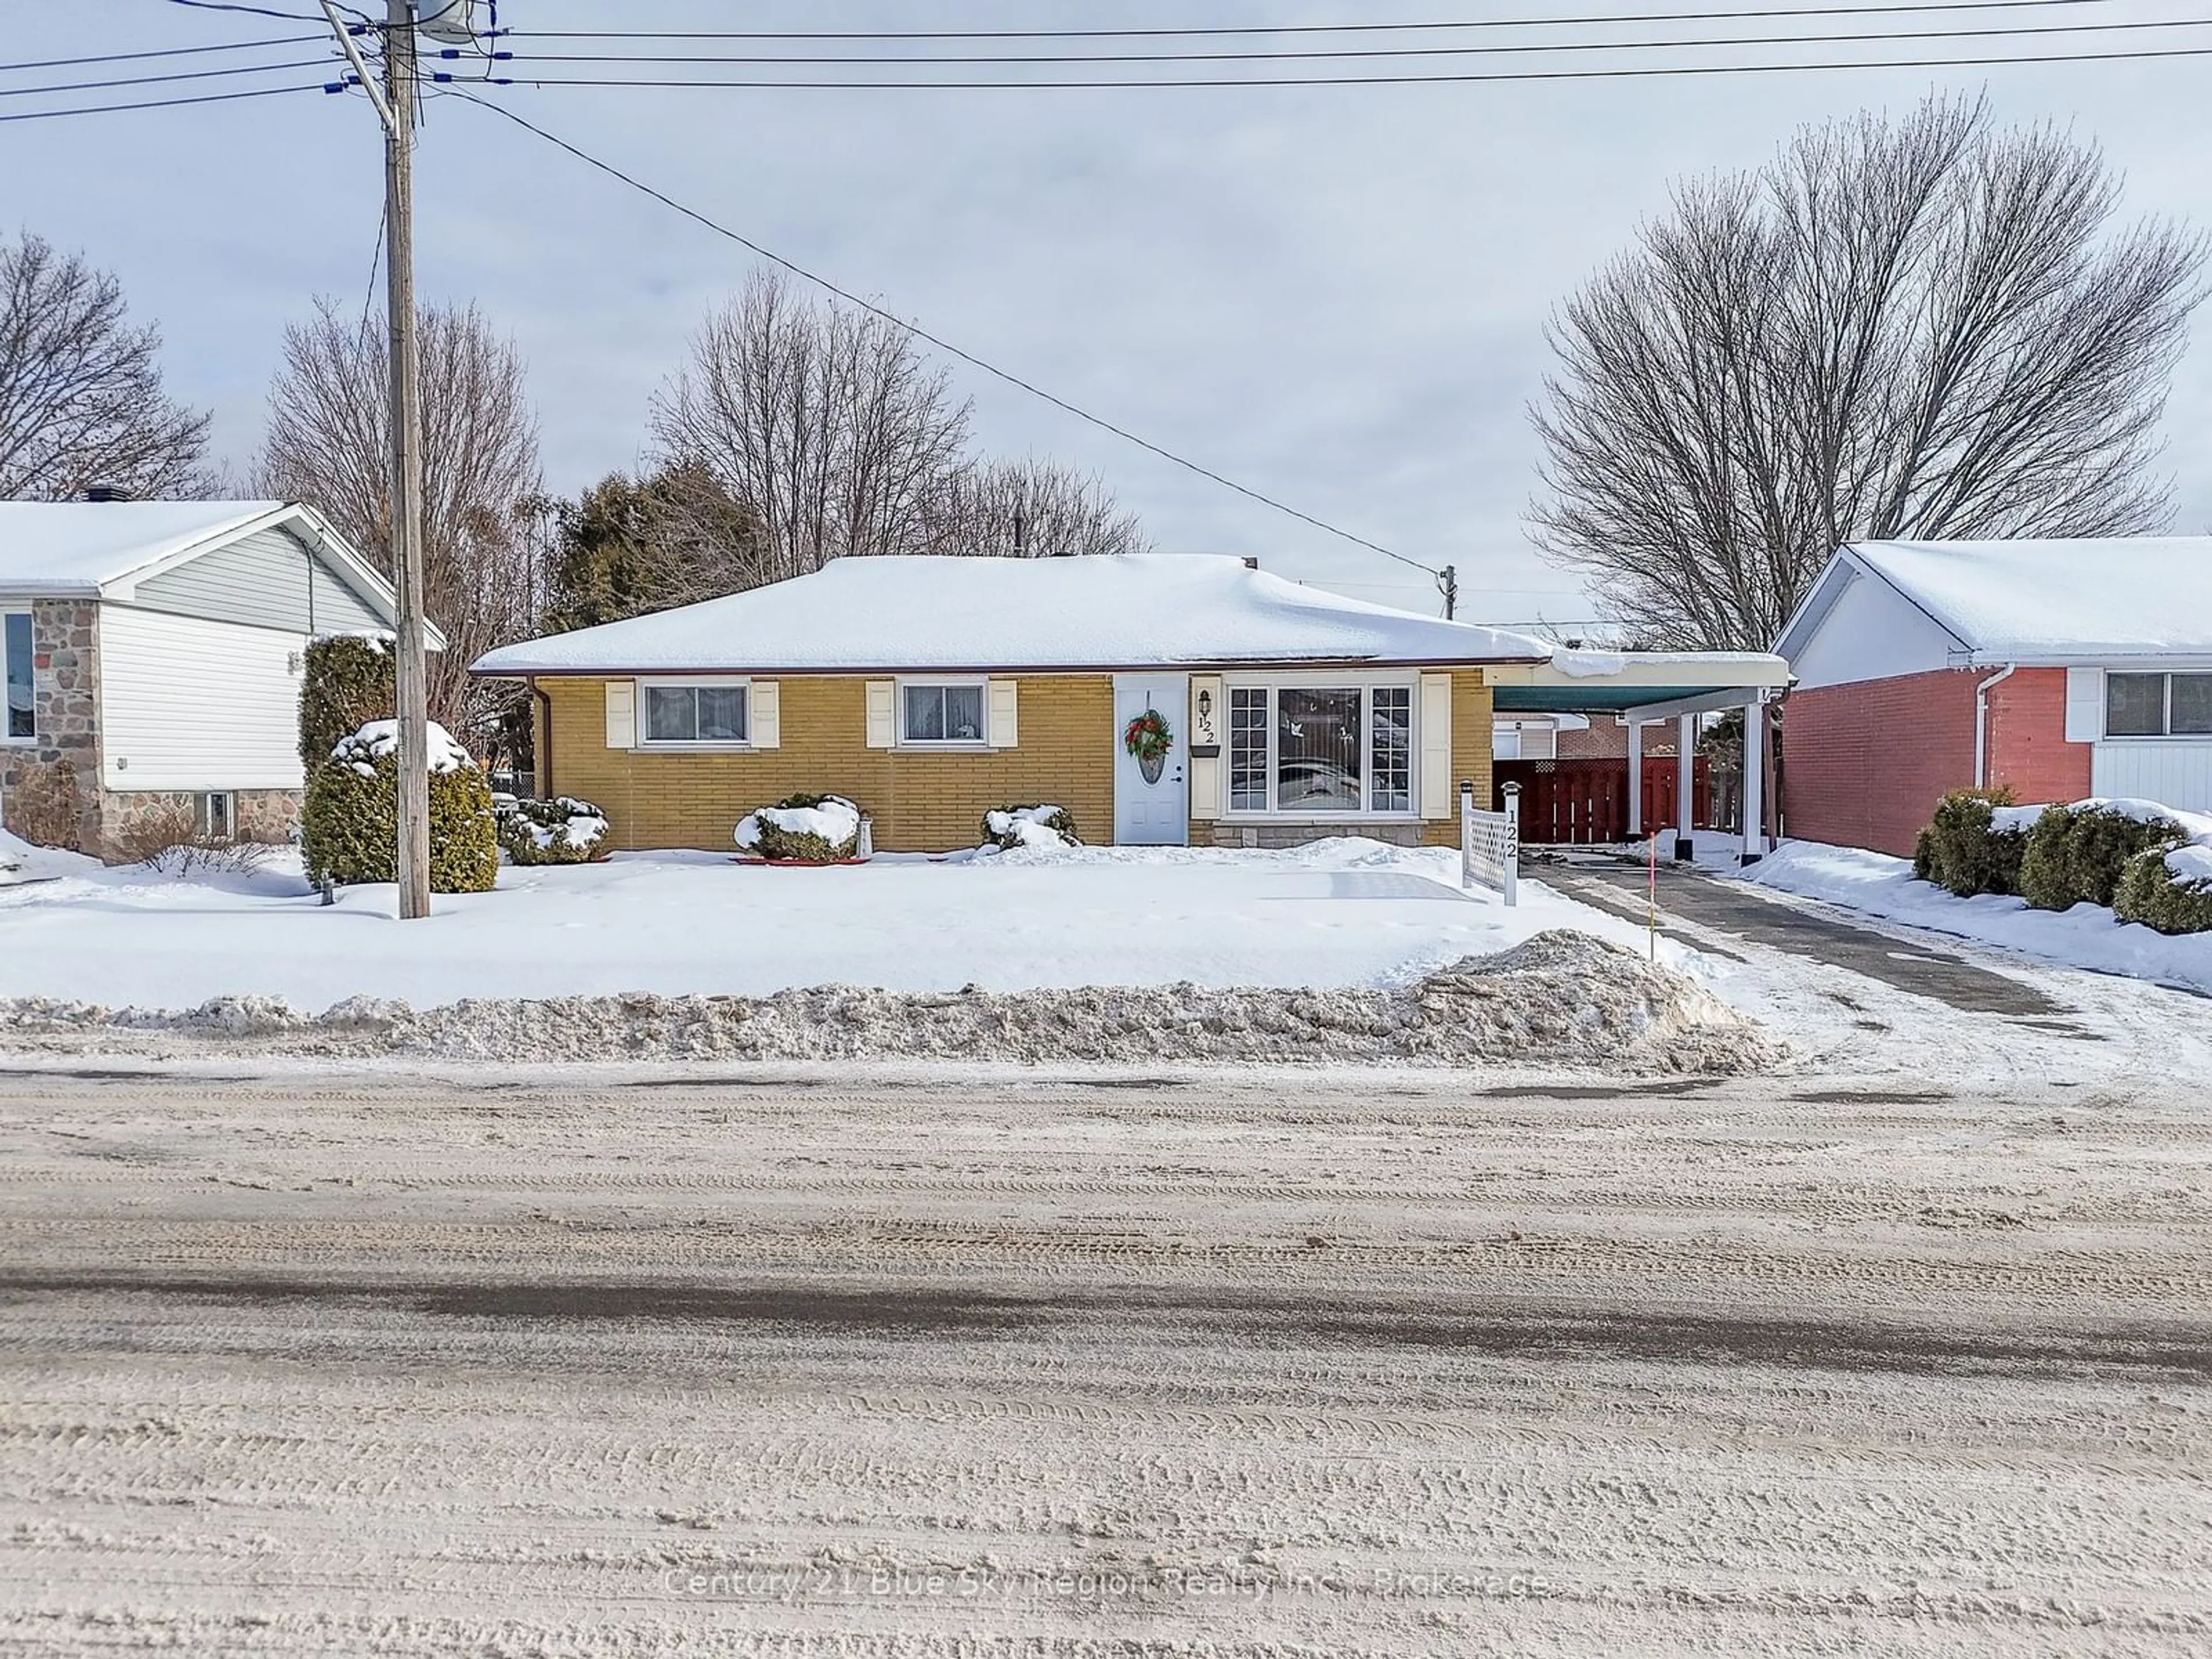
{"x":452,"y":22}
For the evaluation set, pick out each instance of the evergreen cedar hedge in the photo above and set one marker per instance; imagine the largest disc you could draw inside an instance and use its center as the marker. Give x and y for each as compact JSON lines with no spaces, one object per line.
{"x":2078,"y":855}
{"x":1960,"y":852}
{"x":2085,"y":855}
{"x":350,"y":827}
{"x":2148,"y":894}
{"x":348,"y":681}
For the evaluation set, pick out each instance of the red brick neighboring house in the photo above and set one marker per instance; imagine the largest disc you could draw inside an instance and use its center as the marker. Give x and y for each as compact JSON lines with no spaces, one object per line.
{"x":2058,"y":668}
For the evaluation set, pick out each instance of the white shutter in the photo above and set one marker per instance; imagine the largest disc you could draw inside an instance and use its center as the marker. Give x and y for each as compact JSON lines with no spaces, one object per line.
{"x":2085,"y":704}
{"x":883,"y":729}
{"x":764,"y":718}
{"x":1436,"y":790}
{"x":622,"y":713}
{"x":1005,"y":723}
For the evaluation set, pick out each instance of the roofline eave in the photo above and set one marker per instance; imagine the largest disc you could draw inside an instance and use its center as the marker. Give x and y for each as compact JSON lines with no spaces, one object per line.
{"x":549,"y":671}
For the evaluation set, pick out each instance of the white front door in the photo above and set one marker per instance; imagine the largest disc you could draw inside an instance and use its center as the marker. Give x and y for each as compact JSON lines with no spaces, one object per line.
{"x":1152,"y":810}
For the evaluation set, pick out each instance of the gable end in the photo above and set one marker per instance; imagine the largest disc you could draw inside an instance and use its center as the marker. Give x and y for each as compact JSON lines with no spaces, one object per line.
{"x":269,"y":578}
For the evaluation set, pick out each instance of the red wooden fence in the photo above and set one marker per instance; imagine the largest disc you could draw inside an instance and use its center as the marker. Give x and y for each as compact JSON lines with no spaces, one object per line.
{"x":1585,"y":802}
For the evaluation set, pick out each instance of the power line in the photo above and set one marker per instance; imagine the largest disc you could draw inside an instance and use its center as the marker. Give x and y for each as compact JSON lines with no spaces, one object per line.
{"x":1488,"y":77}
{"x":1291,"y":28}
{"x":920,"y":333}
{"x":160,"y":103}
{"x":159,"y":80}
{"x":165,"y":51}
{"x":251,"y":11}
{"x":1514,"y":48}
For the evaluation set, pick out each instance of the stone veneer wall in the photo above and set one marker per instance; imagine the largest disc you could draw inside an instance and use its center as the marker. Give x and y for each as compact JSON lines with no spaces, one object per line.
{"x":53,"y":785}
{"x":128,"y":817}
{"x":61,"y":769}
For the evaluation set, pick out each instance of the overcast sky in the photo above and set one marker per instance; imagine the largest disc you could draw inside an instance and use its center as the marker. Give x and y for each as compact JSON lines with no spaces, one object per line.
{"x":1334,"y":296}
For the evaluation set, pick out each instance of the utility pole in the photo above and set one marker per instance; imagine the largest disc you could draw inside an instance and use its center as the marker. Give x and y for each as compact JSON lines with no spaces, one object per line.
{"x":1448,"y":585}
{"x":395,"y":105}
{"x":406,"y":461}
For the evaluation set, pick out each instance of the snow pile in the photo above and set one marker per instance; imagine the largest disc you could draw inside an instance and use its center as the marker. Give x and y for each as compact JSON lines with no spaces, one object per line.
{"x":22,"y":861}
{"x":1560,"y":998}
{"x":380,"y":739}
{"x":1034,"y":828}
{"x":835,"y":820}
{"x":2087,"y":936}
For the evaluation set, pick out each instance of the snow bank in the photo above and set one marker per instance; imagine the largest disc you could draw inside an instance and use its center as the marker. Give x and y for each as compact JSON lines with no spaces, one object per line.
{"x":1560,"y":999}
{"x":2087,"y":936}
{"x":379,"y":738}
{"x":22,"y":861}
{"x":1341,"y":913}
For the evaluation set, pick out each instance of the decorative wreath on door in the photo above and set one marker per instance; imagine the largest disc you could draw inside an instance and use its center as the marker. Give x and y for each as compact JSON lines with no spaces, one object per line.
{"x":1149,"y":737}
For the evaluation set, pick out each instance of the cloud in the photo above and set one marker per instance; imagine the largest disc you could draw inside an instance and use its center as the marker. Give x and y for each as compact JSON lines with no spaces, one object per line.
{"x":1334,"y":296}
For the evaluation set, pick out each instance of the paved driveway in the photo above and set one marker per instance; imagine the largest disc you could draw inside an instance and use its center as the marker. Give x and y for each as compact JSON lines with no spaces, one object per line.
{"x":1728,"y":907}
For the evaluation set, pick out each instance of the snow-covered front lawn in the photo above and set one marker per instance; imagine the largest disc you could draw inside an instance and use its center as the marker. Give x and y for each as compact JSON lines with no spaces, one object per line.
{"x":2087,"y":936}
{"x":1339,"y":913}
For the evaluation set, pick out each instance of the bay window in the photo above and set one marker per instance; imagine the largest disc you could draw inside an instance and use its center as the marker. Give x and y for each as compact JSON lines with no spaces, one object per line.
{"x":1309,"y":750}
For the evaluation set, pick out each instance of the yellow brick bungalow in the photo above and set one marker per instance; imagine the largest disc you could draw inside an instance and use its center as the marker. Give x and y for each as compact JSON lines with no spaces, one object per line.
{"x":931,"y":691}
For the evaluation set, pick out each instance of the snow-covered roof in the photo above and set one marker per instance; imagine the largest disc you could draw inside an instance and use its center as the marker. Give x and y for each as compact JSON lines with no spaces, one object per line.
{"x":2047,"y":601}
{"x":105,"y":549}
{"x":924,"y":615}
{"x":66,"y":549}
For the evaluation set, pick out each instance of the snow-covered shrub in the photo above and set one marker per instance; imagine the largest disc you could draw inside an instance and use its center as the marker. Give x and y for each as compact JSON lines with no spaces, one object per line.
{"x":2076,"y":854}
{"x":2169,"y":888}
{"x":1966,"y":854}
{"x":1010,"y":827}
{"x":562,"y":830}
{"x":350,"y":825}
{"x":802,"y":830}
{"x":346,"y":680}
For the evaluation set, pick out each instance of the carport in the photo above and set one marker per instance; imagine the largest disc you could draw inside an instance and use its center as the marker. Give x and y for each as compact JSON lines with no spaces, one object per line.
{"x":1646,"y":688}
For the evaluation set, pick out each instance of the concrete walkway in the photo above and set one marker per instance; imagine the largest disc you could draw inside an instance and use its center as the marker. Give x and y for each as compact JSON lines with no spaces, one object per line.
{"x":1723,"y":907}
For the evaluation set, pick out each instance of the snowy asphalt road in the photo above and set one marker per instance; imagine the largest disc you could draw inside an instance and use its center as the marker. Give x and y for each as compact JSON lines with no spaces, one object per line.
{"x":832,"y":1360}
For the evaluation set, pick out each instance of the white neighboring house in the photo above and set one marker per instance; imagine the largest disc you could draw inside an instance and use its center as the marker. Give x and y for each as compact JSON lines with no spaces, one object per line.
{"x":153,"y":653}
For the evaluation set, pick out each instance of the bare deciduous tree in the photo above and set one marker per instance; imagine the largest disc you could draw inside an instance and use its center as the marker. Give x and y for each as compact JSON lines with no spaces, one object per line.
{"x":827,"y":422}
{"x":328,"y":444}
{"x":1924,"y":329}
{"x":1033,"y":509}
{"x":81,"y":397}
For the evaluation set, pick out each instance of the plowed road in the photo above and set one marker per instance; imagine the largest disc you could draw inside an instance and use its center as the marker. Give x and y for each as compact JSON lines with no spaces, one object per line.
{"x":827,"y":1363}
